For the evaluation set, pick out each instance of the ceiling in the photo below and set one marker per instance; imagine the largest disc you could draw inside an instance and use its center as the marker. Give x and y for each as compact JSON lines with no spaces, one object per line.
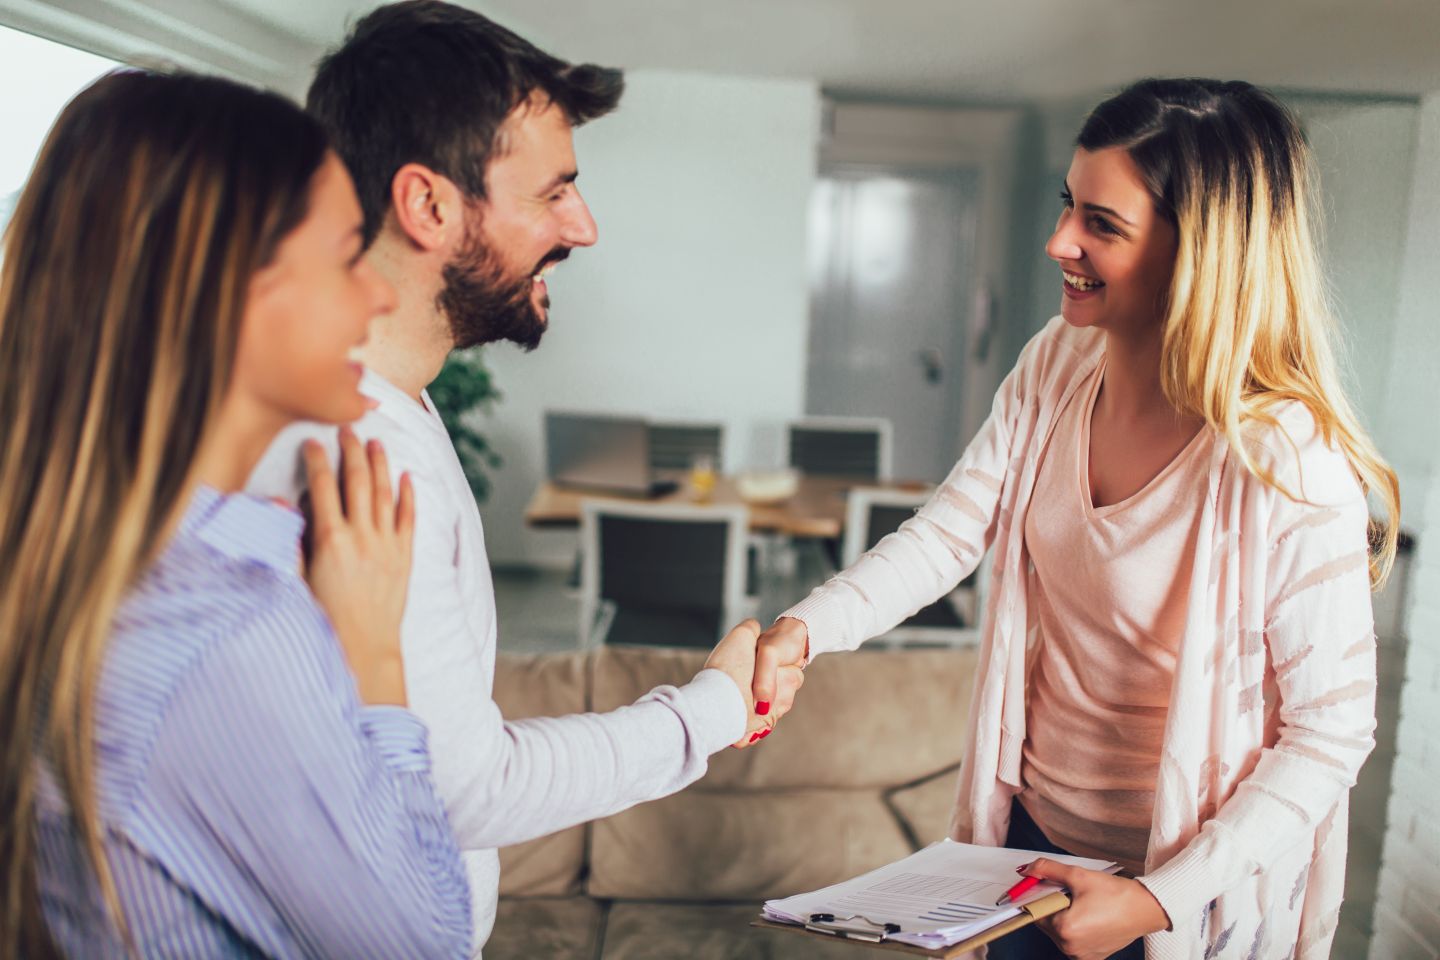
{"x":968,"y":50}
{"x":936,"y":50}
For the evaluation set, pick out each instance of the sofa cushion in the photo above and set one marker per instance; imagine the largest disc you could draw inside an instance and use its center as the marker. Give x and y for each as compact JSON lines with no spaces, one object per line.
{"x":869,"y":719}
{"x":542,"y":685}
{"x":925,"y":808}
{"x":664,"y":931}
{"x":566,"y":928}
{"x":551,"y":866}
{"x":742,"y":845}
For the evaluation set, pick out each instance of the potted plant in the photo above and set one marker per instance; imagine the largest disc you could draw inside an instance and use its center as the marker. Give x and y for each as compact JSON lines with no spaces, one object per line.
{"x":465,"y":387}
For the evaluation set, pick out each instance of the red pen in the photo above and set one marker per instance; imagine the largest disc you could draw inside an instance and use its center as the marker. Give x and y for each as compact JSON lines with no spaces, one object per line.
{"x":1019,"y":890}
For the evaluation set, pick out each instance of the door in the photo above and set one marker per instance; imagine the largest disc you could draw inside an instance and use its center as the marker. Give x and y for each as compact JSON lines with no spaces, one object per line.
{"x":892,"y":287}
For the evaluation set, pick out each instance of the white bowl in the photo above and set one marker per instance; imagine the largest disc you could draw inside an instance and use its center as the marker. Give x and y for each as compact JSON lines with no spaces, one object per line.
{"x":762,"y":487}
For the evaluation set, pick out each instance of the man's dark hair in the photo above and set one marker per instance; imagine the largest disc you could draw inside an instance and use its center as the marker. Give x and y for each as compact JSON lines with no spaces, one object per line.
{"x":429,"y":82}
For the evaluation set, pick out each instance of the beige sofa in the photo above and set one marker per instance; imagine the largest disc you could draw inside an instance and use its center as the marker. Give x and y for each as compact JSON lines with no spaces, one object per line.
{"x":860,"y":774}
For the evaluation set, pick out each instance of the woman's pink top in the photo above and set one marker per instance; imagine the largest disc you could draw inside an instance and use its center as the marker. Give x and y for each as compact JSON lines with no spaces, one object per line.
{"x":1272,"y":708}
{"x":1110,"y":587}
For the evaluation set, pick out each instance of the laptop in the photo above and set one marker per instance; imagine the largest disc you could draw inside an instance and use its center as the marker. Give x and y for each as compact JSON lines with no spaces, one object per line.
{"x":602,"y":453}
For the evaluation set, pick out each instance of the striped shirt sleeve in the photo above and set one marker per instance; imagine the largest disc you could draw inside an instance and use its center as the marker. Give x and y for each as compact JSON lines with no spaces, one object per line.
{"x":268,"y":759}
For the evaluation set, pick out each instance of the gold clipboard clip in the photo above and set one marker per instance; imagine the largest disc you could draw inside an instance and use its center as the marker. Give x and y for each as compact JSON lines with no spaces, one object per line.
{"x":853,"y":927}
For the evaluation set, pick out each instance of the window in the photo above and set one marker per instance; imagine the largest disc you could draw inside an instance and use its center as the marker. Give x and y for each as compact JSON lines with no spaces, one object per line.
{"x":37,"y":78}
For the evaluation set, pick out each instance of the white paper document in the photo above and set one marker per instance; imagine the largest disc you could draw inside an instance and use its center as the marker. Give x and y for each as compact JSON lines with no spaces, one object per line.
{"x":937,"y":897}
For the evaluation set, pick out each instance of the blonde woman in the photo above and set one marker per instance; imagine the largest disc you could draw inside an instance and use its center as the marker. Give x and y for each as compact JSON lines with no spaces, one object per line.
{"x":1177,"y":665}
{"x":197,"y":761}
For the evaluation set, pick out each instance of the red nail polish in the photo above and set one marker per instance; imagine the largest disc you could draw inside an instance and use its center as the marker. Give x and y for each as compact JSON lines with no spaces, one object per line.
{"x":762,"y":707}
{"x":764,"y":733}
{"x":754,"y":737}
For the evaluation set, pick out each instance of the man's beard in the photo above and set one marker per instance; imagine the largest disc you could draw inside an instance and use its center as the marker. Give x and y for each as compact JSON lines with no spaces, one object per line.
{"x":483,"y":306}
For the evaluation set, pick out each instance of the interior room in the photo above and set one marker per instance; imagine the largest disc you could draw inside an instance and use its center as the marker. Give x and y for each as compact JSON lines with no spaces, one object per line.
{"x":822,"y":230}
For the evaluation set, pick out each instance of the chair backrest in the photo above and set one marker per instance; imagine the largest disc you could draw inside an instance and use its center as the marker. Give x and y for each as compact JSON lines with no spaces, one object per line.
{"x":674,"y":572}
{"x":842,"y":446}
{"x":674,"y":446}
{"x":871,"y":514}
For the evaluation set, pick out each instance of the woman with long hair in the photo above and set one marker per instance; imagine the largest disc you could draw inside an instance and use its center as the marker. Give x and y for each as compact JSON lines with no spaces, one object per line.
{"x":198,"y":760}
{"x":1177,"y":664}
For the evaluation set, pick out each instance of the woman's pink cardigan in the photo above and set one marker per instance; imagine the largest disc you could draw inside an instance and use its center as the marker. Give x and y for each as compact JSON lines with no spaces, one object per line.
{"x":1273,"y":706}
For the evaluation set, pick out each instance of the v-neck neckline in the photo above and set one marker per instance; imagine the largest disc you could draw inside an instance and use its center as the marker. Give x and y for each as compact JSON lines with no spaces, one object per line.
{"x":1082,"y":456}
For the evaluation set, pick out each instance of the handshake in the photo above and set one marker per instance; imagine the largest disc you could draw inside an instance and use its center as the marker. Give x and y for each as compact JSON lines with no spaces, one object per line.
{"x":767,"y":667}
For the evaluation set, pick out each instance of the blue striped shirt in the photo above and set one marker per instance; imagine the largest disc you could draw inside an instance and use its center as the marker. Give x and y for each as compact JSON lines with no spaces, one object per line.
{"x":252,"y":806}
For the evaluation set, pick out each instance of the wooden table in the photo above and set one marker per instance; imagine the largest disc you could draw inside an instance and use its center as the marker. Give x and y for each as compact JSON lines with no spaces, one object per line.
{"x":816,"y":510}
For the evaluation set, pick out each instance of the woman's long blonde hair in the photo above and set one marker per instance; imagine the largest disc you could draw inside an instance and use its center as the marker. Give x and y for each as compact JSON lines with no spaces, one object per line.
{"x":125,"y":273}
{"x":1248,"y":323}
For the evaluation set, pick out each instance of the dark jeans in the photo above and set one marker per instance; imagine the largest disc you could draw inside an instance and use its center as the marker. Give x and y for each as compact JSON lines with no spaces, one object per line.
{"x":1030,"y":943}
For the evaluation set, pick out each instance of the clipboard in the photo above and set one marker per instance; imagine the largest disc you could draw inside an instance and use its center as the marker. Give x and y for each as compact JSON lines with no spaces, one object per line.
{"x":1033,"y":911}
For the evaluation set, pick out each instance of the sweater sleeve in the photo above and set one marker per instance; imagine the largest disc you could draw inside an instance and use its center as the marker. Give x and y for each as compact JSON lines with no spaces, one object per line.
{"x":507,"y":782}
{"x":1319,"y":636}
{"x":930,"y":553}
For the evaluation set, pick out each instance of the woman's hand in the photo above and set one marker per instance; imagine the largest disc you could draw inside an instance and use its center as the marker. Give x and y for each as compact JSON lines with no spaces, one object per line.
{"x":735,"y":657}
{"x":784,"y":648}
{"x":359,"y":565}
{"x":1106,"y":912}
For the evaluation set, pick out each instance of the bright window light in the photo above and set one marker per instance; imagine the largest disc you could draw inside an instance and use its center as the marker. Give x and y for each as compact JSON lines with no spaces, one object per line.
{"x":37,"y":78}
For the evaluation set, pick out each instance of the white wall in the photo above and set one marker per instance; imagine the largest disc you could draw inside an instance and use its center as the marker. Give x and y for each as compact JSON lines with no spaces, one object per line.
{"x":1058,"y":125}
{"x":1409,"y":435}
{"x":50,"y":74}
{"x":1407,"y":920}
{"x":694,"y":302}
{"x":1407,"y":898}
{"x":1365,"y":153}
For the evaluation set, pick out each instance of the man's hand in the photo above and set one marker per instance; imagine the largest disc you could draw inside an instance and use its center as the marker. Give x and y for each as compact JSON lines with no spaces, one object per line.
{"x":1106,"y":912}
{"x":735,"y":657}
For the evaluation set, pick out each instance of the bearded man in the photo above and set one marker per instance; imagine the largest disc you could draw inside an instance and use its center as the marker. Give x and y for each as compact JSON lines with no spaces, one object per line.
{"x":458,"y":135}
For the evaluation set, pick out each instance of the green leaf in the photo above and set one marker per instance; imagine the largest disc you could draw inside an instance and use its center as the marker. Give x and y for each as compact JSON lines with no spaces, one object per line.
{"x":463,"y":387}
